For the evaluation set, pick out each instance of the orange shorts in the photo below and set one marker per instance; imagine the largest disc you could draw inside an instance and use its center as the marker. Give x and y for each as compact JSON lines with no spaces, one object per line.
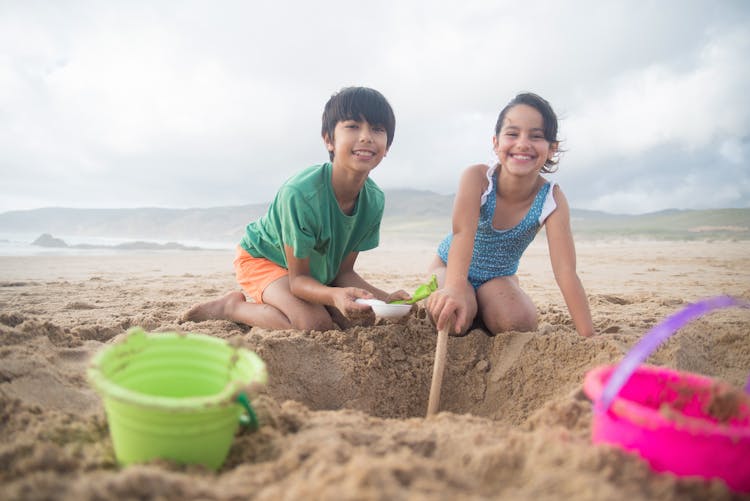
{"x":254,"y":274}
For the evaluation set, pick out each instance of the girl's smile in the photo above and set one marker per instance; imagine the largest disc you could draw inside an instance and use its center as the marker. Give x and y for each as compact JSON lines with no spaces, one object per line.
{"x":521,"y":157}
{"x":521,"y":146}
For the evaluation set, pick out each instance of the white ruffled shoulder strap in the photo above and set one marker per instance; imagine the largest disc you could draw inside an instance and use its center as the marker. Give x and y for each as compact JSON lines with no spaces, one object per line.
{"x":488,"y":191}
{"x":549,"y":203}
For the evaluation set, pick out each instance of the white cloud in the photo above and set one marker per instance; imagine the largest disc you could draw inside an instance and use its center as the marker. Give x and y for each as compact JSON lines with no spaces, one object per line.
{"x":733,"y":150}
{"x":200,"y":104}
{"x":660,"y":105}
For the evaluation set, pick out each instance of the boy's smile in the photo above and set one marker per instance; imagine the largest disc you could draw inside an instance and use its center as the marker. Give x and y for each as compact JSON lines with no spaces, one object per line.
{"x":364,"y":154}
{"x":358,"y":144}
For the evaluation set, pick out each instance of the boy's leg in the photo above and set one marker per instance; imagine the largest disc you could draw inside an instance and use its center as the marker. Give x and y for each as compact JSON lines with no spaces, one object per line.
{"x":504,"y":306}
{"x":300,"y":314}
{"x":280,"y":310}
{"x":253,"y":275}
{"x":235,"y":308}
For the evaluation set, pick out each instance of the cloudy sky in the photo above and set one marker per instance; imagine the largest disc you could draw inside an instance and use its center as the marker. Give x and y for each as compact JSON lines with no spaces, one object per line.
{"x":200,"y":103}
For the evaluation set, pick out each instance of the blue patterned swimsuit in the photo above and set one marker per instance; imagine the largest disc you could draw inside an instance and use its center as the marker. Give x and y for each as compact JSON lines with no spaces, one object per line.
{"x":497,"y":253}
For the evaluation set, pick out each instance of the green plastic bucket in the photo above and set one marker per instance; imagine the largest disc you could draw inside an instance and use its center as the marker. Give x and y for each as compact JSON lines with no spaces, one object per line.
{"x":175,"y":396}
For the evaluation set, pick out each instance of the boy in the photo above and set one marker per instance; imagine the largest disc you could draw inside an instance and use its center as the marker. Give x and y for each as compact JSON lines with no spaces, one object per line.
{"x":297,"y":261}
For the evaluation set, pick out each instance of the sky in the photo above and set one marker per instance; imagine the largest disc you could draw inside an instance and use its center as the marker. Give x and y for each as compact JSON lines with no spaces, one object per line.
{"x":215,"y":103}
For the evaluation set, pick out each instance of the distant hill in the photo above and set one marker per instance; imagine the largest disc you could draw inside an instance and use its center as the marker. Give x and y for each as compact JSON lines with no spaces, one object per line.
{"x":413,"y":213}
{"x":664,"y":225}
{"x":47,"y":240}
{"x":209,"y":224}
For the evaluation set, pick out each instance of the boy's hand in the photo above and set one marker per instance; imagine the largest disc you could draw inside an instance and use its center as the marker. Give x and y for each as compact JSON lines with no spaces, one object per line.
{"x":395,"y":296}
{"x":345,"y":300}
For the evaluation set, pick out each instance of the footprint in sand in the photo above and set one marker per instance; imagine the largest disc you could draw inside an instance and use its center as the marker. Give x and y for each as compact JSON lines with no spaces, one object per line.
{"x":609,"y":298}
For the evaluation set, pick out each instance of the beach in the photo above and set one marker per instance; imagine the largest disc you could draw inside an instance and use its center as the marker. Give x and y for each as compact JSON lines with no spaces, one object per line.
{"x":343,"y":414}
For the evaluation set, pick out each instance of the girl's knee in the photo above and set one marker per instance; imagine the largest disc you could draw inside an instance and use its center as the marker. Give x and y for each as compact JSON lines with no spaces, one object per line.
{"x":522,"y":321}
{"x":505,"y":307}
{"x":525,"y":323}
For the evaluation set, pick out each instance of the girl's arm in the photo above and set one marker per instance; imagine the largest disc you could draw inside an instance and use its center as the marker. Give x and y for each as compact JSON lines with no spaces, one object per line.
{"x":449,"y":303}
{"x":563,"y":257}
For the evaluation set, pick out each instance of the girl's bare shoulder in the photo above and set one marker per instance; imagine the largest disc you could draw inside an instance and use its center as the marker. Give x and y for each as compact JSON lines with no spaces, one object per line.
{"x":473,"y":181}
{"x":482,"y":168}
{"x":558,"y":194}
{"x":476,"y":172}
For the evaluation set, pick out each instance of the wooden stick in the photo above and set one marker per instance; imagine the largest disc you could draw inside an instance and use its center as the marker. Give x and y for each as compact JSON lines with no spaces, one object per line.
{"x":437,"y":372}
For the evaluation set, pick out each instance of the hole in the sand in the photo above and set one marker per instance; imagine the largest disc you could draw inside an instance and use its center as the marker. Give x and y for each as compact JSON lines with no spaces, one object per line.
{"x":386,"y":370}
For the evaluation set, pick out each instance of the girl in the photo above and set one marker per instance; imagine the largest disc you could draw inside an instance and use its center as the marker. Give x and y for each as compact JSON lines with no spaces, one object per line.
{"x":497,"y":213}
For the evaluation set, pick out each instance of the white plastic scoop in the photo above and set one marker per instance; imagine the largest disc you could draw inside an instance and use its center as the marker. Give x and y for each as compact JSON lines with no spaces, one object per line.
{"x":385,"y":310}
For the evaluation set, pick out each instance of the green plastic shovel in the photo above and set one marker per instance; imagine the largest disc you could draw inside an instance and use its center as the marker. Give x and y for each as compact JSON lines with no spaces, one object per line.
{"x":422,"y":292}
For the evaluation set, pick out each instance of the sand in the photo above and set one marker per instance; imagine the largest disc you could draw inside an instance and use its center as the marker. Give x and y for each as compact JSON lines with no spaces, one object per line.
{"x":343,"y":414}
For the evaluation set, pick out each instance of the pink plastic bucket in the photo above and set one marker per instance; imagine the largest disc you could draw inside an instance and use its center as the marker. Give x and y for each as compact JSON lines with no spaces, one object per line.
{"x":679,"y":422}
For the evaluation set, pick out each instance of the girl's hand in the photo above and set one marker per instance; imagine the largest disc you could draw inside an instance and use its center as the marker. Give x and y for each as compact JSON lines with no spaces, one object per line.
{"x":448,"y":309}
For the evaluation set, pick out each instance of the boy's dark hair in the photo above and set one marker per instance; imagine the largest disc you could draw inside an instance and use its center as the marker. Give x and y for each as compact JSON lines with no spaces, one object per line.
{"x":549,"y":119}
{"x":358,"y":103}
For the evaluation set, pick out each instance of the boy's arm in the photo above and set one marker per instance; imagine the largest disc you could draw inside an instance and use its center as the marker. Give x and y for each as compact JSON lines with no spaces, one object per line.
{"x":563,"y":257}
{"x":304,"y":286}
{"x":347,"y":277}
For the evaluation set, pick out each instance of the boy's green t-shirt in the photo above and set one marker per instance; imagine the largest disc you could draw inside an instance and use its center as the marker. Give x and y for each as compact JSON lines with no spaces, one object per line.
{"x":305,"y":216}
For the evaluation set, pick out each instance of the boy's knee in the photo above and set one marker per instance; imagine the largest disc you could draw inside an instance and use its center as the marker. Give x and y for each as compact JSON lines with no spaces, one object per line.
{"x":314,"y":322}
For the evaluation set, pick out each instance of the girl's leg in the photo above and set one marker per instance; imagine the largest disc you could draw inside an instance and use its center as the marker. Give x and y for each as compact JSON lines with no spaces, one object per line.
{"x":505,"y":307}
{"x":438,"y":268}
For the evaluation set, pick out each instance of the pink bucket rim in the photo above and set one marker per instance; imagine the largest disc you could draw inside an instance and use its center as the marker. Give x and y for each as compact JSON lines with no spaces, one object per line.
{"x":641,"y":415}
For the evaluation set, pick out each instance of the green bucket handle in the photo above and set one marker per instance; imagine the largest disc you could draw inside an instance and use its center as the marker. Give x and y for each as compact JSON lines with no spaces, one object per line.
{"x":250,"y":419}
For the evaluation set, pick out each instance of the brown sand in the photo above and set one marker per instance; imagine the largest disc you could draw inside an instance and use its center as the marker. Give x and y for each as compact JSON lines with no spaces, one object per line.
{"x":342,"y":417}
